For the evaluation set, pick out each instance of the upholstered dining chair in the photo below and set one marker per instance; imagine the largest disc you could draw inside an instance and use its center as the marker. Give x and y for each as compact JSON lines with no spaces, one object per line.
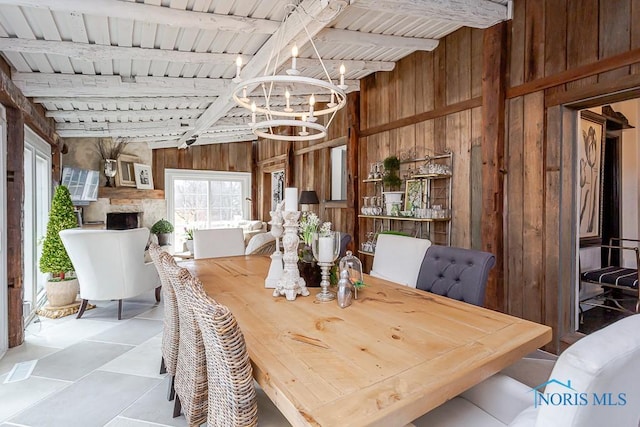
{"x":456,"y":273}
{"x":191,"y":371}
{"x":218,"y":242}
{"x":600,"y":373}
{"x":261,"y":244}
{"x":234,"y":401}
{"x":110,"y":264}
{"x":398,"y":258}
{"x":345,"y":239}
{"x":171,"y":329}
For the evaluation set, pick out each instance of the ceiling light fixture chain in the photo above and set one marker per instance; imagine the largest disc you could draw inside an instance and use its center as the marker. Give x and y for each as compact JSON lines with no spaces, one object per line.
{"x":300,"y":111}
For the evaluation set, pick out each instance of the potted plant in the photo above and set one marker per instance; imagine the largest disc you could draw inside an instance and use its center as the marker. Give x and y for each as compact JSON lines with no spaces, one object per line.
{"x":60,"y":289}
{"x":393,"y":182}
{"x":188,"y":235}
{"x":163,"y":229}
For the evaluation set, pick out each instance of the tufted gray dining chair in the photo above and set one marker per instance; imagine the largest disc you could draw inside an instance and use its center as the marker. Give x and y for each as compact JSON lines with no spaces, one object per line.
{"x":456,"y":273}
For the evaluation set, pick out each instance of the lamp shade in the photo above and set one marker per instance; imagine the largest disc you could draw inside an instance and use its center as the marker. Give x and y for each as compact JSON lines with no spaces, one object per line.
{"x":308,"y":197}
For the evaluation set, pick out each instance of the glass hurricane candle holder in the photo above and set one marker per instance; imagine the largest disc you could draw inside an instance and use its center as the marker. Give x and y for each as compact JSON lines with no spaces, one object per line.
{"x":325,"y":250}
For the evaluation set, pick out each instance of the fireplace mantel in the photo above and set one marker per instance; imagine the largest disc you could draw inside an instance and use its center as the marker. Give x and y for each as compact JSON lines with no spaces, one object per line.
{"x":129,"y":193}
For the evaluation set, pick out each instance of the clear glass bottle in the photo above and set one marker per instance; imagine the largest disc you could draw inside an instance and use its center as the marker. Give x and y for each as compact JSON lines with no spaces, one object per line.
{"x":353,"y":266}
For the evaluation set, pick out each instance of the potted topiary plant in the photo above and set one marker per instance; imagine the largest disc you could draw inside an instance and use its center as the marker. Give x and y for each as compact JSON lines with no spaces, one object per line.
{"x":60,"y":289}
{"x":392,"y":182}
{"x":163,"y":230}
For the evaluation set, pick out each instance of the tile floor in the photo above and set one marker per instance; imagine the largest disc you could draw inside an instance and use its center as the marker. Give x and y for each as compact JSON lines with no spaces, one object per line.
{"x":95,"y":371}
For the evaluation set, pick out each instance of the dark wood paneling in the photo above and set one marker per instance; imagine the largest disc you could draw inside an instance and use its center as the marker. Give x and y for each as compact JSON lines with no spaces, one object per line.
{"x":582,"y":37}
{"x":615,"y":28}
{"x":234,"y":157}
{"x":15,"y":202}
{"x":492,"y":156}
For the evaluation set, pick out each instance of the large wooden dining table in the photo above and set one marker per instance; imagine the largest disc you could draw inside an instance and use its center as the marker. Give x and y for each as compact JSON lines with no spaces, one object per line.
{"x":393,"y":355}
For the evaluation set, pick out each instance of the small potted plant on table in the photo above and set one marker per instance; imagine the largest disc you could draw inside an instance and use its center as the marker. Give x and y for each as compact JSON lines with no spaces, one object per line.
{"x":60,"y":289}
{"x":163,"y":229}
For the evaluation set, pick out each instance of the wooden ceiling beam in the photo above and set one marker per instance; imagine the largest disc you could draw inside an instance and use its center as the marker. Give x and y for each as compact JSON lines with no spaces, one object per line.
{"x":43,"y":85}
{"x":154,"y":14}
{"x":95,"y":52}
{"x":118,"y":114}
{"x":470,"y":13}
{"x":334,"y":35}
{"x":142,"y":100}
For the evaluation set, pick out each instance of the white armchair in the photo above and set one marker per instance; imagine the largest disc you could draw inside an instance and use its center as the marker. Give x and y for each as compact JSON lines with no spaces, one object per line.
{"x":110,"y":264}
{"x":595,"y":382}
{"x":398,"y":258}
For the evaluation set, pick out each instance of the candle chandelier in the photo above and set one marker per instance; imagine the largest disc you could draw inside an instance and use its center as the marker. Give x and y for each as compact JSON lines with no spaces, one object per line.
{"x":306,"y":99}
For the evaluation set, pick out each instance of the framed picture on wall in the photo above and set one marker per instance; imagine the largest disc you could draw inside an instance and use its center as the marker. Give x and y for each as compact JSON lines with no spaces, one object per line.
{"x":413,"y":198}
{"x":144,"y":178}
{"x":590,"y":167}
{"x":277,"y":188}
{"x":126,"y":174}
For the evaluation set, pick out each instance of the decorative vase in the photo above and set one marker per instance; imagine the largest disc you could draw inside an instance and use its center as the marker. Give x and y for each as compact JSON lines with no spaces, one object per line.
{"x":189,"y":245}
{"x":61,"y":293}
{"x":309,"y":269}
{"x":391,"y":197}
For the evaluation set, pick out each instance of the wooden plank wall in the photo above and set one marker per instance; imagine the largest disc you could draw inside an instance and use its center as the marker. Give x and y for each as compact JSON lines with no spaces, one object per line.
{"x":561,"y":54}
{"x":429,"y":102}
{"x":231,"y":157}
{"x":562,"y":51}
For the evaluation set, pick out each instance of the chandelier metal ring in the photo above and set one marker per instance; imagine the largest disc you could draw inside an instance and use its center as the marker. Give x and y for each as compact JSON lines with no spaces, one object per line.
{"x":322,"y":131}
{"x":341,"y":97}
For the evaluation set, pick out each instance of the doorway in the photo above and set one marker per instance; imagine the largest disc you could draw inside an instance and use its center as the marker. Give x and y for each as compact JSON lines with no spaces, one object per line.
{"x":619,"y":170}
{"x":37,"y":198}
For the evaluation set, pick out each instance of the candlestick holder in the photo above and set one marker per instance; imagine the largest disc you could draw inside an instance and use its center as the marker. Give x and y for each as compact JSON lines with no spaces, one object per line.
{"x":290,"y":283}
{"x":325,"y":295}
{"x":326,"y":249}
{"x":276,"y":268}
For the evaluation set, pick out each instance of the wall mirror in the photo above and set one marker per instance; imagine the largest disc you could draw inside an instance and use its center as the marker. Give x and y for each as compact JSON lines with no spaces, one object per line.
{"x":339,"y":173}
{"x":126,"y":172}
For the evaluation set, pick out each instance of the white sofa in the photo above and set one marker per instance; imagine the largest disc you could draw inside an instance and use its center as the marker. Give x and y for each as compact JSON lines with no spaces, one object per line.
{"x":110,"y":264}
{"x":594,"y":383}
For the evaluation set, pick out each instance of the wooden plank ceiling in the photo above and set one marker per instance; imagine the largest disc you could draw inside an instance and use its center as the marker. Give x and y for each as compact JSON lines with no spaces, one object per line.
{"x":161,"y":71}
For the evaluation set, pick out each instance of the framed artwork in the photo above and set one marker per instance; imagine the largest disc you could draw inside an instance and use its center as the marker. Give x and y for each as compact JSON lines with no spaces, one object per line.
{"x":277,"y":188}
{"x":126,"y":174}
{"x":144,"y":178}
{"x":590,"y":165}
{"x":413,"y":195}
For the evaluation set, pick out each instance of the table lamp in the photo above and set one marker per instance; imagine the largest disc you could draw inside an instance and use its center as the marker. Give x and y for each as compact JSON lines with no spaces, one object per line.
{"x":308,"y":197}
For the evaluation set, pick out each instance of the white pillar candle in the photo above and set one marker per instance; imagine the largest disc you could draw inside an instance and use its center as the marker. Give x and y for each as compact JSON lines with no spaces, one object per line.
{"x":291,"y":199}
{"x":325,"y":249}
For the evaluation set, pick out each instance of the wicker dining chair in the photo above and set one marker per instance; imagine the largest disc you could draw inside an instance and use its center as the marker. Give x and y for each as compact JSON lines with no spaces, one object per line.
{"x":191,"y":370}
{"x":234,"y":401}
{"x":171,"y":329}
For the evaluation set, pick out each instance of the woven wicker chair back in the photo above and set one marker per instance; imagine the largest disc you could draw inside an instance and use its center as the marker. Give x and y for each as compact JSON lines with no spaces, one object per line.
{"x":191,"y":370}
{"x":171,"y":330}
{"x":232,"y":396}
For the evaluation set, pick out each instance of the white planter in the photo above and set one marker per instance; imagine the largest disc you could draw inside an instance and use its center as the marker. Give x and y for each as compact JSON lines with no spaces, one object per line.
{"x":189,"y":245}
{"x":62,"y":293}
{"x":391,"y":197}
